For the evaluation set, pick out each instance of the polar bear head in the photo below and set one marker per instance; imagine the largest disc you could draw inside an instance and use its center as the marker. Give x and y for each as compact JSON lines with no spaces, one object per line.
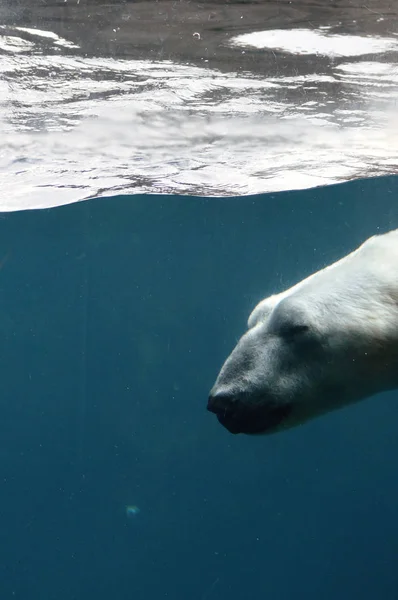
{"x":327,"y":342}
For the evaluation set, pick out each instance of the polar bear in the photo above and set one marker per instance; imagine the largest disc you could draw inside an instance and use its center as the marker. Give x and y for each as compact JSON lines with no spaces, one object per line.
{"x":326,"y":342}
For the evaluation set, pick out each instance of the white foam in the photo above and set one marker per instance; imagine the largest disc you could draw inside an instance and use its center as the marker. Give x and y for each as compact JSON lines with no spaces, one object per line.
{"x":59,"y":41}
{"x":306,"y":41}
{"x":13,"y":44}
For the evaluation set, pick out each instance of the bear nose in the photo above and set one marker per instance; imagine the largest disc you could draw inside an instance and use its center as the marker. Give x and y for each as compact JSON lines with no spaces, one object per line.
{"x":218,"y":402}
{"x":225,"y":407}
{"x":238,"y":413}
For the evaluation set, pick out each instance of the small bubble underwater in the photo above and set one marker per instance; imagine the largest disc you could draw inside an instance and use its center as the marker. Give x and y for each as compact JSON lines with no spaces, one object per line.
{"x":132,"y":511}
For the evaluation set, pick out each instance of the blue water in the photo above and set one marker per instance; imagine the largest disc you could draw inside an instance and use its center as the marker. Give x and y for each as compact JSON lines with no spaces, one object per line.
{"x":116,"y":315}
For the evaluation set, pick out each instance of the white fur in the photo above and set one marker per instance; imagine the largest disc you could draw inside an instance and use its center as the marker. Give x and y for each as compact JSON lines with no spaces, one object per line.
{"x":328,"y":341}
{"x":363,"y":286}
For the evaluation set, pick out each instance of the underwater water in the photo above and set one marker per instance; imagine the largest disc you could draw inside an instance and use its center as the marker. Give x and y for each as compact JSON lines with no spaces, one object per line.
{"x":202,"y":157}
{"x":116,"y":315}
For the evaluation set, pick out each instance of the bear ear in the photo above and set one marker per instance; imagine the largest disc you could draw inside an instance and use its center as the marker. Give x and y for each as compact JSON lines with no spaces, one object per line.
{"x":263,"y":310}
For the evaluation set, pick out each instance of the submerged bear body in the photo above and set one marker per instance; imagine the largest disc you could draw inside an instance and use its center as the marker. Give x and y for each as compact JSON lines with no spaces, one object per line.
{"x":329,"y":341}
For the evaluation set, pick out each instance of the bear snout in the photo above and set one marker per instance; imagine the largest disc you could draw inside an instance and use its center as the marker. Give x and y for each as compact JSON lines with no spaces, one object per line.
{"x":224,"y":406}
{"x":238,"y":415}
{"x":227,"y":410}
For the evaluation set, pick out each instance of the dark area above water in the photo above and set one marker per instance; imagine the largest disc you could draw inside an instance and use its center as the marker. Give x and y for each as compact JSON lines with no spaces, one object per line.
{"x":164,"y":29}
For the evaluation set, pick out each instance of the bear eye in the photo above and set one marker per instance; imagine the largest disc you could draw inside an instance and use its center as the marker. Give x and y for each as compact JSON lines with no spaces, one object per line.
{"x":293,"y":330}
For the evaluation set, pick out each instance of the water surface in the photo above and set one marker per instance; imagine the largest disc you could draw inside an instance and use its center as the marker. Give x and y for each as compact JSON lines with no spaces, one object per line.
{"x":202,"y":98}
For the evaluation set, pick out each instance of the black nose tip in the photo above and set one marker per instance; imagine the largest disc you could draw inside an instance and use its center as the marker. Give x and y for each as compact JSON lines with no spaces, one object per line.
{"x":225,"y":407}
{"x":219,"y":402}
{"x":239,"y":413}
